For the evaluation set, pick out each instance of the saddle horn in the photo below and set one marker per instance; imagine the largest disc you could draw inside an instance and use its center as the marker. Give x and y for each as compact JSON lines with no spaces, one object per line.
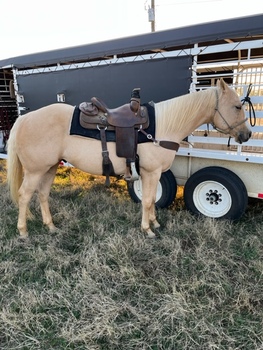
{"x":135,"y":100}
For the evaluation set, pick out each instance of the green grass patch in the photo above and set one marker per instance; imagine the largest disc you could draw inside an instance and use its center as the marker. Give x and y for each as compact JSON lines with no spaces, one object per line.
{"x":98,"y":284}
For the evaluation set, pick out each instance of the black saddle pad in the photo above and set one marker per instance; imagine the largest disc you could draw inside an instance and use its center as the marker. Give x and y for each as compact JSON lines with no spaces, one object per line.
{"x":77,"y":129}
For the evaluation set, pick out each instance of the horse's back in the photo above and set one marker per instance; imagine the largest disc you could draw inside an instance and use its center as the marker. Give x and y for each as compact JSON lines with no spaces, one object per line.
{"x":55,"y":110}
{"x":45,"y":118}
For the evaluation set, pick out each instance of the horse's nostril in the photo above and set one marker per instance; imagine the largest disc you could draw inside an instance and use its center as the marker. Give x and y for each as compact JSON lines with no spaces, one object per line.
{"x":243,"y":137}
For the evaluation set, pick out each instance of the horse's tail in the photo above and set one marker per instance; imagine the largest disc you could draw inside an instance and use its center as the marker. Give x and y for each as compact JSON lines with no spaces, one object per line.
{"x":14,"y":166}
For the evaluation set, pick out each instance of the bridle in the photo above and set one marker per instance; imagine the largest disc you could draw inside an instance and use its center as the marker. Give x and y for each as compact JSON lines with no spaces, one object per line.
{"x":229,"y":127}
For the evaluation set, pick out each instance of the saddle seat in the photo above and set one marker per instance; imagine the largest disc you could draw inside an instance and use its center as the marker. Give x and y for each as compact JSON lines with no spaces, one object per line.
{"x":97,"y":114}
{"x":125,"y":120}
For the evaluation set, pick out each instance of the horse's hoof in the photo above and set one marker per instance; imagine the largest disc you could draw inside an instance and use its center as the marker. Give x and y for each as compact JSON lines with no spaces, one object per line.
{"x":22,"y":233}
{"x":156,"y":224}
{"x":151,"y":235}
{"x":23,"y":238}
{"x":53,"y":229}
{"x":148,"y":233}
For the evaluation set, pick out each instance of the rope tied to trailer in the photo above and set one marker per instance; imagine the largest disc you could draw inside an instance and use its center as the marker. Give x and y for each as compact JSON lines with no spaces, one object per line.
{"x":252,"y":114}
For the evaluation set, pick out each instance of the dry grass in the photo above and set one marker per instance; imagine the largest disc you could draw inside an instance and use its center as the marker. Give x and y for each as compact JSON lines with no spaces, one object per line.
{"x":98,"y":284}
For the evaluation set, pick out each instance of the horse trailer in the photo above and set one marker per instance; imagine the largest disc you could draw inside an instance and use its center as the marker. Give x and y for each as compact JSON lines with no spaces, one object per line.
{"x":216,"y":172}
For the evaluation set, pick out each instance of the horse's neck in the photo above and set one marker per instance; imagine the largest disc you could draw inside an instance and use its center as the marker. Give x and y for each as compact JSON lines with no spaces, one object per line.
{"x":182,"y":115}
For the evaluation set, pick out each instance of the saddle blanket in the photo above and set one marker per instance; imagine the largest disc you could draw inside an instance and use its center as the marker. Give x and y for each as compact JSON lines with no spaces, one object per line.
{"x":77,"y":129}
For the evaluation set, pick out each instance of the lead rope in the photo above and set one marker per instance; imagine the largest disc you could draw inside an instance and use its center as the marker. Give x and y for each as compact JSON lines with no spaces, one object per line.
{"x":252,"y":119}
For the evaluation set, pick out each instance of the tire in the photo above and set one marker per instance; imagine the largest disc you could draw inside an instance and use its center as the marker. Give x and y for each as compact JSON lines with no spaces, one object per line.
{"x":216,"y":192}
{"x":166,"y":191}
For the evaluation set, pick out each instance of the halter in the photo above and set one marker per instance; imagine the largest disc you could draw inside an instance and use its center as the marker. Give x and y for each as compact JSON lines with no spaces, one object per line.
{"x":229,"y":127}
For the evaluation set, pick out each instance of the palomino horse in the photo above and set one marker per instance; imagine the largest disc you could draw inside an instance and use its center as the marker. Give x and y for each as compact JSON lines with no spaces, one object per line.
{"x":40,"y":139}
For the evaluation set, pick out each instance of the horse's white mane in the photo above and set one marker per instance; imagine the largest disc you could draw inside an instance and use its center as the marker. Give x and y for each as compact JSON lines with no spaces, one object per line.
{"x":172,"y":115}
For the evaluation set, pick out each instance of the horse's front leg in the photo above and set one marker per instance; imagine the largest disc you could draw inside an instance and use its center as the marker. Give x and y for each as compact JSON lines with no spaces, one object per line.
{"x":149,"y":188}
{"x":152,"y":216}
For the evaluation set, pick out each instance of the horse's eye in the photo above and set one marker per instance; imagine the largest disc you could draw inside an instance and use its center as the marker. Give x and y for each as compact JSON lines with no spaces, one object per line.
{"x":238,"y":107}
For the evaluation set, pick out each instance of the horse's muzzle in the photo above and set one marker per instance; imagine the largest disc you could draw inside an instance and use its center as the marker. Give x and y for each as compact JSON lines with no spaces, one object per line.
{"x":243,"y":136}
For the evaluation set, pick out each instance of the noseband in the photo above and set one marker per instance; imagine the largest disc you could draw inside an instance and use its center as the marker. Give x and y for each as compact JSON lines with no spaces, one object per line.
{"x":229,"y":127}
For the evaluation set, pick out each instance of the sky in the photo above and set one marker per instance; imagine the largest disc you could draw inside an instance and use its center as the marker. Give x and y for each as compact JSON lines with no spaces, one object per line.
{"x":28,"y":26}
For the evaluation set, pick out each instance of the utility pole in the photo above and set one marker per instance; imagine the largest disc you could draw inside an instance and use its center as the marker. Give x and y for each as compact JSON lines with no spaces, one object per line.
{"x":151,"y":15}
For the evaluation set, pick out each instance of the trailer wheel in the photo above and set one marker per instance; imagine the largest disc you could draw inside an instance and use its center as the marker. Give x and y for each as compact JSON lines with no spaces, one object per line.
{"x":166,"y":190}
{"x":216,"y":192}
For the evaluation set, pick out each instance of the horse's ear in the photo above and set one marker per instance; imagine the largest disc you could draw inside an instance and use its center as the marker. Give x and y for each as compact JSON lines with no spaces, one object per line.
{"x":221,"y":84}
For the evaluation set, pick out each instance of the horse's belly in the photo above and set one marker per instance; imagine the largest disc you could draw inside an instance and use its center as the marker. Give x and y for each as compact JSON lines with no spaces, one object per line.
{"x":86,"y":154}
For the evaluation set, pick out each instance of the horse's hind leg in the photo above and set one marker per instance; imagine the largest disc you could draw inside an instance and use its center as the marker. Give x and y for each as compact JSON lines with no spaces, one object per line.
{"x":43,"y":195}
{"x":28,"y":187}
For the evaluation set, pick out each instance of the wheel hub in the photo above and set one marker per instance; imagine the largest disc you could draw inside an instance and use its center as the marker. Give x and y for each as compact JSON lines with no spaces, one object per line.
{"x":213,"y":197}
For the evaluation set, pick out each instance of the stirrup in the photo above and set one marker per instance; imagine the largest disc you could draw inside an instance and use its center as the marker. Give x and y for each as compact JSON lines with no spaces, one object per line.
{"x":133,"y":175}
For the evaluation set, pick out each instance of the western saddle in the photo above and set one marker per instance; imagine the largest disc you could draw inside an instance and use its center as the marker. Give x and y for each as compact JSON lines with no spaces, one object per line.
{"x":126,"y":121}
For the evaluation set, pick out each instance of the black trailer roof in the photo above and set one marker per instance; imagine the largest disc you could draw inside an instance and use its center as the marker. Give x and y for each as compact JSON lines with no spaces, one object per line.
{"x":167,"y":40}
